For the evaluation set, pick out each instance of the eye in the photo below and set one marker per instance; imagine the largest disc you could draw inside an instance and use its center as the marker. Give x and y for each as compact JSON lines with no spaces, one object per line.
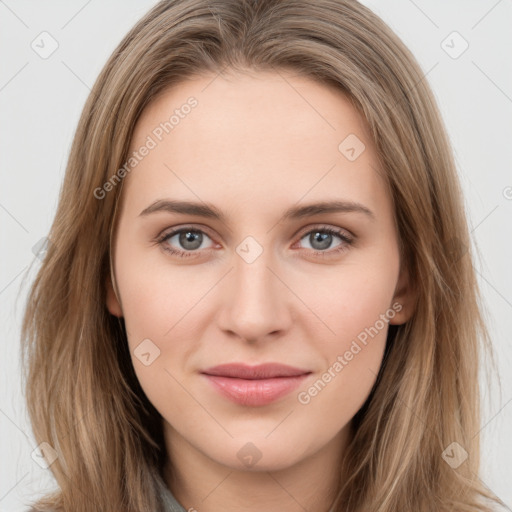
{"x":188,"y":241}
{"x":321,"y":239}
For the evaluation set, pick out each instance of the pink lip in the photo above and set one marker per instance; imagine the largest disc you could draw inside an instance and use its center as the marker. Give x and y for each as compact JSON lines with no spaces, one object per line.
{"x":255,"y":385}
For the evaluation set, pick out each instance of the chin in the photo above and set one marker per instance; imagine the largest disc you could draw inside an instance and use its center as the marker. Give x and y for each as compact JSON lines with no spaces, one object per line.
{"x":259,"y":455}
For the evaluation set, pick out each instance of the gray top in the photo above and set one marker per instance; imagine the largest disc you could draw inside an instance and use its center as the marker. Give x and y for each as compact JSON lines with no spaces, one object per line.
{"x":171,"y":504}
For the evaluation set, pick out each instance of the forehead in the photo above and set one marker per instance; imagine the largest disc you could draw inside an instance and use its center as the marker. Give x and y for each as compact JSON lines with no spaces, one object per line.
{"x":261,"y":137}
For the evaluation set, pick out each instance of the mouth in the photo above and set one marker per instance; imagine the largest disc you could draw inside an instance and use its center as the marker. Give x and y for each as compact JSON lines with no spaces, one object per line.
{"x":254,"y":385}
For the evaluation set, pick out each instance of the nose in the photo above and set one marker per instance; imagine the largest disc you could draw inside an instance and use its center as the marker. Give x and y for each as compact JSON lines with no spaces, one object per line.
{"x":257,"y":304}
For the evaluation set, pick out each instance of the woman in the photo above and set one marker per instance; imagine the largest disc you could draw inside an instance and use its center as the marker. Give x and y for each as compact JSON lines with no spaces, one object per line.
{"x":184,"y":349}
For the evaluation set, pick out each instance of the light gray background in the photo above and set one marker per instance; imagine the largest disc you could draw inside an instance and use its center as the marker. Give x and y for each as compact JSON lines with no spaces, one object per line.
{"x":41,"y":99}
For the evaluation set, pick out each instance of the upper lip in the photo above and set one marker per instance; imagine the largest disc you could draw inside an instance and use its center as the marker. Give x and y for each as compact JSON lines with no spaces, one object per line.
{"x":261,"y":371}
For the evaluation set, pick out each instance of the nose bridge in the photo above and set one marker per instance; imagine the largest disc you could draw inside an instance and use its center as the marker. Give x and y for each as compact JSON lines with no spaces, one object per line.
{"x":256,"y":304}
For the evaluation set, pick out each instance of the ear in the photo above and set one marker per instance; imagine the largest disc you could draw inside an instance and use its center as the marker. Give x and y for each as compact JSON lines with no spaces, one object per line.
{"x":404,"y":298}
{"x":113,"y":304}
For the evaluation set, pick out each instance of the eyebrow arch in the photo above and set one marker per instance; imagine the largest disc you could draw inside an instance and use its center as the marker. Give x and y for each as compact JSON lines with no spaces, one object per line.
{"x":299,"y":212}
{"x":295,"y":212}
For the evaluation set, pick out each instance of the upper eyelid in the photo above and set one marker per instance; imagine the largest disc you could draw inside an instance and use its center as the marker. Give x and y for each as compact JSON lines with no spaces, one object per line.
{"x":320,"y":227}
{"x":175,"y":230}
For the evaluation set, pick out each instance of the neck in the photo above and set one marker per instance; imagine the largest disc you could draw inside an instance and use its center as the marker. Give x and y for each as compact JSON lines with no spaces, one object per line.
{"x":201,"y":484}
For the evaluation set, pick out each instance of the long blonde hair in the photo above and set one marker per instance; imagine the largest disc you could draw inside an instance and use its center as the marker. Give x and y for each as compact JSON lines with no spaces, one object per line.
{"x":82,"y":393}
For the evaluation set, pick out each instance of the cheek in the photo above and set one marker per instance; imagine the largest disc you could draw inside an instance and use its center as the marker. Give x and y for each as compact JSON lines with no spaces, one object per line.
{"x":156,"y":294}
{"x":352,"y":298}
{"x":356,"y":304}
{"x":159,"y":301}
{"x":352,"y":360}
{"x":164,"y":303}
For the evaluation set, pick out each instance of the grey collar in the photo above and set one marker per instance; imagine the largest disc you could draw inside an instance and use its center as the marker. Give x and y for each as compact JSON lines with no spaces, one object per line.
{"x":171,"y":504}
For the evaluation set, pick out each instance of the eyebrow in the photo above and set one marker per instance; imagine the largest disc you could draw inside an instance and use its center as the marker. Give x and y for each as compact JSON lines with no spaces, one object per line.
{"x":294,"y":213}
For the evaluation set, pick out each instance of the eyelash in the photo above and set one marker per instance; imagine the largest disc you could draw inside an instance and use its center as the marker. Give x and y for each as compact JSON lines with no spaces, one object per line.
{"x":347,"y":241}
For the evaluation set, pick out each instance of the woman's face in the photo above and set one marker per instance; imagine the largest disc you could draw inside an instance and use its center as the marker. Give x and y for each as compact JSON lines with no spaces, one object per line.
{"x":262,"y":276}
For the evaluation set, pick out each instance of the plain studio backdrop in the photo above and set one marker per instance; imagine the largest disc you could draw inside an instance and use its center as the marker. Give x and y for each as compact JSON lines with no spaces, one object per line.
{"x":464,"y":48}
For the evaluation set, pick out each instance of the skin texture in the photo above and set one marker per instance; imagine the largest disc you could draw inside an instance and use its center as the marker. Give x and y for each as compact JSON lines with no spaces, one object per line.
{"x":255,"y":145}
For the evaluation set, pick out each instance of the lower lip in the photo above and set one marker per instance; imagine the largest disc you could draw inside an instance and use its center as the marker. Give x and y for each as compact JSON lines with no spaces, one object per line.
{"x":255,"y":392}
